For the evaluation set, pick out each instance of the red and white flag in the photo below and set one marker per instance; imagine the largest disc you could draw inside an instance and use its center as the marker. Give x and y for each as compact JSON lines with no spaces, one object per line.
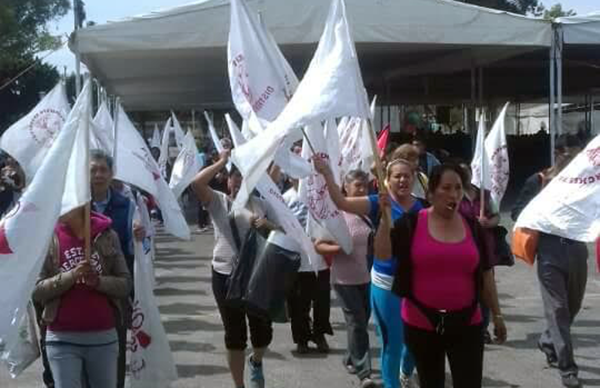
{"x":135,"y":165}
{"x":569,"y":206}
{"x":186,"y":166}
{"x":29,"y":139}
{"x":36,"y":214}
{"x":151,"y":364}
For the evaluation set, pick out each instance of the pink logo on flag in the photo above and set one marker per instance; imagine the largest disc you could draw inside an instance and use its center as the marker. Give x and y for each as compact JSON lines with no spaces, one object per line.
{"x":45,"y":125}
{"x":594,"y":155}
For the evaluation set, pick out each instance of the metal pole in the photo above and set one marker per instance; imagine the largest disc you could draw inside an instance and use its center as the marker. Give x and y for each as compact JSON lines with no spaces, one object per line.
{"x":551,"y":119}
{"x":473,"y":114}
{"x":77,"y":55}
{"x":592,"y":113}
{"x":559,"y":92}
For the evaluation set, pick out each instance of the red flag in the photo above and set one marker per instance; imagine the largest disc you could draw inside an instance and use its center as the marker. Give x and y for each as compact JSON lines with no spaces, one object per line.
{"x":382,"y":139}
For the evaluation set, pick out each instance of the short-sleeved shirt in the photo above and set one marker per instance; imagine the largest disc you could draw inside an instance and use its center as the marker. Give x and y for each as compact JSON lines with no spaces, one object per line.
{"x":382,"y":274}
{"x":225,"y":249}
{"x":353,"y":269}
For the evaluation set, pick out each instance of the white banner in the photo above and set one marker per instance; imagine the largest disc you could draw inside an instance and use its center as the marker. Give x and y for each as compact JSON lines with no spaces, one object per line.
{"x":569,"y":206}
{"x":151,"y":364}
{"x":29,"y":139}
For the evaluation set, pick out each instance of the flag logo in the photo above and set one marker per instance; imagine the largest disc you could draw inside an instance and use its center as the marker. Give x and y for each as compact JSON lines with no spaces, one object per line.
{"x":44,"y":126}
{"x":594,"y":156}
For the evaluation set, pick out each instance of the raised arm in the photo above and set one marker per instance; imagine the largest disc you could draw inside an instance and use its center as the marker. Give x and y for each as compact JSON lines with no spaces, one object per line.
{"x":355,"y":205}
{"x":200,"y":183}
{"x":382,"y":243}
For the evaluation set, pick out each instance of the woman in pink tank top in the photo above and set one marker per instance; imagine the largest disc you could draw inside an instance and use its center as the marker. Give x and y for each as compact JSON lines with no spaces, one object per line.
{"x":442,"y":282}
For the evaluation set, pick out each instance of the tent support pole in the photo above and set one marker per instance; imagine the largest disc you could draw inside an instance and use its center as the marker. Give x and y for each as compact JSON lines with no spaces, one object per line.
{"x":551,"y":118}
{"x":559,"y":74}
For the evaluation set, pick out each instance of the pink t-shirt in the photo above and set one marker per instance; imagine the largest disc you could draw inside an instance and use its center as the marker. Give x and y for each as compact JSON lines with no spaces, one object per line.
{"x":442,"y":274}
{"x":353,"y":269}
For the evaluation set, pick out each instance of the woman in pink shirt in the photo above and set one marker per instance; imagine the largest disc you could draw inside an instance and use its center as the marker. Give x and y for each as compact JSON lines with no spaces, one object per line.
{"x":445,"y":276}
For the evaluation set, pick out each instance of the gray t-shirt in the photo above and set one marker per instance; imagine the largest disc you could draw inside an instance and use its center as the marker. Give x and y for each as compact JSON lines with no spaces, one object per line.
{"x":224,"y":250}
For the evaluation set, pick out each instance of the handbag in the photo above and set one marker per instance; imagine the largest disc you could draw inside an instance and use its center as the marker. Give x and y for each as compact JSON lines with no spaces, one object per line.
{"x":504,"y":255}
{"x":524,"y":244}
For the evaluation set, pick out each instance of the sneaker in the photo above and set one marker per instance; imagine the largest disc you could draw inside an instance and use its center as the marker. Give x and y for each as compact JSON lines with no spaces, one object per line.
{"x":406,"y":381}
{"x":302,"y":348}
{"x":257,"y":378}
{"x":571,"y":381}
{"x":367,"y":383}
{"x":350,"y":369}
{"x":322,"y":345}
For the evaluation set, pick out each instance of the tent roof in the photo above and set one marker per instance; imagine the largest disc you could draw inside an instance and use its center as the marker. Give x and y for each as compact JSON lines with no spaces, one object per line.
{"x":583,"y":29}
{"x":177,"y":57}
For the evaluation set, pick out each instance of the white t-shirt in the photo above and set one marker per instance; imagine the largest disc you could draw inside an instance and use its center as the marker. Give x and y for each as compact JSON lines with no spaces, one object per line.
{"x":224,"y":250}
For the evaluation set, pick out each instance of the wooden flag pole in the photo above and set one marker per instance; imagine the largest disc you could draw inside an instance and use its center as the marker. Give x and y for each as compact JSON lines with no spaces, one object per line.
{"x":387,"y":215}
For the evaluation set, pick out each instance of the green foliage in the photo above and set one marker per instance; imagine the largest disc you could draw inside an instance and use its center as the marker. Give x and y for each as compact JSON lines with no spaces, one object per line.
{"x":24,"y":31}
{"x":556,"y":11}
{"x":24,"y":34}
{"x":515,"y":6}
{"x":21,"y":96}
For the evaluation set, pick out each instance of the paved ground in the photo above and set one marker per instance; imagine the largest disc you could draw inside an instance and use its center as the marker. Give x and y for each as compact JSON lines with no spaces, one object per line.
{"x":193,"y":325}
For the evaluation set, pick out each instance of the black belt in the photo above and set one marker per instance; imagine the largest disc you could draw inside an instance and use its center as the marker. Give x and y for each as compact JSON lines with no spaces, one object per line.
{"x":442,"y":319}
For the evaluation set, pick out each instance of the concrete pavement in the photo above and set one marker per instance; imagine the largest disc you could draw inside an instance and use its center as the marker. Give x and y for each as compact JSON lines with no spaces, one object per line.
{"x":193,"y":325}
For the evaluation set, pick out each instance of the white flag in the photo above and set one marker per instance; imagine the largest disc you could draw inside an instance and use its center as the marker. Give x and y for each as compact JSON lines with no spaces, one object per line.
{"x":136,"y":166}
{"x":179,"y":135}
{"x":273,"y":198}
{"x":332,"y":87}
{"x":29,"y":139}
{"x":261,"y":80}
{"x":151,"y":364}
{"x":155,"y":141}
{"x":186,"y":166}
{"x":26,"y":231}
{"x":480,"y":165}
{"x":497,"y":152}
{"x":77,"y":186}
{"x":355,"y":140}
{"x":101,"y":135}
{"x":569,"y":206}
{"x":314,"y":194}
{"x":164,"y":149}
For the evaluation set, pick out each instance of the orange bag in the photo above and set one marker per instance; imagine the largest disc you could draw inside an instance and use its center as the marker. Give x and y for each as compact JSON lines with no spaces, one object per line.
{"x":524,"y":244}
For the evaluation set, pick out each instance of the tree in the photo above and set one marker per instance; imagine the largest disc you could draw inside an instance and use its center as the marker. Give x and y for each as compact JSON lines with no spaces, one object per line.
{"x":24,"y":34}
{"x":515,"y":6}
{"x":556,"y":11}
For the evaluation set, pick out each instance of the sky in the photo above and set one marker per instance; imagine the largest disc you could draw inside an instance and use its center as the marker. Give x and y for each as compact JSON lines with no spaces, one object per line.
{"x":102,"y":11}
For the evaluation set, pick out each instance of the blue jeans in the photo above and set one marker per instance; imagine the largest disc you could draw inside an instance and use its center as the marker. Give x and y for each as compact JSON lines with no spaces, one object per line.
{"x":394,"y":353}
{"x":67,"y":362}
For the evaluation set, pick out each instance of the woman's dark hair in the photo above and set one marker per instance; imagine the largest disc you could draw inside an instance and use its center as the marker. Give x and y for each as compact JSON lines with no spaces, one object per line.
{"x":356,"y":175}
{"x":438,"y":171}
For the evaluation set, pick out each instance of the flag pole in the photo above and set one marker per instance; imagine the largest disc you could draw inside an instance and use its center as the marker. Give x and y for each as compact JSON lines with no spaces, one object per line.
{"x":482,"y":172}
{"x":115,"y":130}
{"x":312,"y":149}
{"x":87,"y":229}
{"x":387,"y":215}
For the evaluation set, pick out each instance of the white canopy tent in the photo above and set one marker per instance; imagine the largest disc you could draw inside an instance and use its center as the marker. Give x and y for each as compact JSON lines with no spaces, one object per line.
{"x":176,"y":58}
{"x":581,"y":29}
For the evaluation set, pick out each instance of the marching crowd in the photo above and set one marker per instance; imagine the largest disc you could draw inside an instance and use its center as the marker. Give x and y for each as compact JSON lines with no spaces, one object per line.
{"x":422,"y":267}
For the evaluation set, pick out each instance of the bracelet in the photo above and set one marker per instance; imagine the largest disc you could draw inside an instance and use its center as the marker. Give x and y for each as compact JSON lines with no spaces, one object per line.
{"x":499,"y":316}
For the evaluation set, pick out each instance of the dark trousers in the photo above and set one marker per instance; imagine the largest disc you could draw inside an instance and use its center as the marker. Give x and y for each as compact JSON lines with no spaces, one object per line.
{"x":122,"y":358}
{"x":562,"y":273}
{"x":203,"y":217}
{"x":310,"y":290}
{"x":236,"y":320}
{"x":462,"y":345}
{"x":356,"y":305}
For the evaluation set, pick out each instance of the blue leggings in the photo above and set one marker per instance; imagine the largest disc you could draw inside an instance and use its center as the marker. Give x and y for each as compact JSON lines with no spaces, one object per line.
{"x":394,"y":353}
